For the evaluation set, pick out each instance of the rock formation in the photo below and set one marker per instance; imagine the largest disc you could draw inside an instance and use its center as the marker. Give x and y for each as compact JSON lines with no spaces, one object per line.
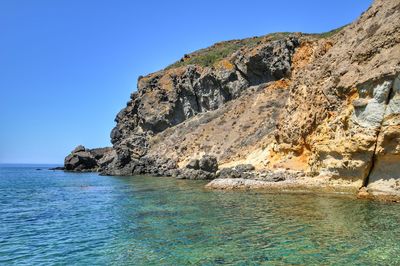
{"x":317,"y":111}
{"x":341,"y":103}
{"x":88,"y":160}
{"x":169,"y":97}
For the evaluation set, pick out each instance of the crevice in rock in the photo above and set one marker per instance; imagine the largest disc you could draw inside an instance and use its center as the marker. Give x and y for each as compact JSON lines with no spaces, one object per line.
{"x":196,"y":97}
{"x":373,"y":157}
{"x":371,"y":168}
{"x":197,"y":101}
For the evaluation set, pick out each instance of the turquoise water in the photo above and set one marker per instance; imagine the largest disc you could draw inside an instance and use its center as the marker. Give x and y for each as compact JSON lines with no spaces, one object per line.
{"x":52,"y":217}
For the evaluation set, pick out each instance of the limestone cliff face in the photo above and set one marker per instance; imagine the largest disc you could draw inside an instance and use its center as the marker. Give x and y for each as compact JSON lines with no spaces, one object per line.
{"x":322,"y":106}
{"x":341,"y":106}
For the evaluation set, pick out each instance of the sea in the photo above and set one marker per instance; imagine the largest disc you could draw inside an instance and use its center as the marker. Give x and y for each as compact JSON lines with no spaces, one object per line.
{"x":52,"y":217}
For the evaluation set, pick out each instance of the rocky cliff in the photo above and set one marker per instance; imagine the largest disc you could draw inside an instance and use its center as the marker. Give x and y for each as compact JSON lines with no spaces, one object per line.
{"x":286,"y":111}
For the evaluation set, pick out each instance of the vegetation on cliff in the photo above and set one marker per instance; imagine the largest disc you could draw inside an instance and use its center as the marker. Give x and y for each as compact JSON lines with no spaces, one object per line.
{"x":207,"y":57}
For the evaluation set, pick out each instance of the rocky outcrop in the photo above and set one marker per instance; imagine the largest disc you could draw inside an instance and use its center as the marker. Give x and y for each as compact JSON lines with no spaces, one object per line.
{"x":169,"y":97}
{"x":337,"y":104}
{"x":88,"y":160}
{"x":305,"y":110}
{"x":363,"y":52}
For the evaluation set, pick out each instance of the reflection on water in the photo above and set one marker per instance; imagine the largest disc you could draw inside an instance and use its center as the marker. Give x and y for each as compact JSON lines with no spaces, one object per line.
{"x":54,"y":217}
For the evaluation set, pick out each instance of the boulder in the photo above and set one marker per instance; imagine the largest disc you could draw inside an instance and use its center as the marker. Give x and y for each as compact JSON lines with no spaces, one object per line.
{"x":208,"y":163}
{"x":228,"y":172}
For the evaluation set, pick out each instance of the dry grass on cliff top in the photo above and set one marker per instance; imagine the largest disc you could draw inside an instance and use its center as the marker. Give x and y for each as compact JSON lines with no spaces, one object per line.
{"x":207,"y":57}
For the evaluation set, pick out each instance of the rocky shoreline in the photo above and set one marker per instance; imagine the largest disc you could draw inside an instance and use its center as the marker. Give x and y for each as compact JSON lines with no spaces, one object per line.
{"x":284,"y":111}
{"x":239,"y":177}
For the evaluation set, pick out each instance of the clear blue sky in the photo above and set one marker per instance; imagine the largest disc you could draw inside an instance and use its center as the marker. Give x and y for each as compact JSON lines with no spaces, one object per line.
{"x":68,"y":66}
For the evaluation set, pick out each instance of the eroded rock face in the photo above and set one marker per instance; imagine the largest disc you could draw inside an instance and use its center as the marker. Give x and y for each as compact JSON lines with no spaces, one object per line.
{"x":240,"y":131}
{"x":336,"y":112}
{"x":170,"y":97}
{"x":365,"y":51}
{"x":266,"y":62}
{"x":343,"y":146}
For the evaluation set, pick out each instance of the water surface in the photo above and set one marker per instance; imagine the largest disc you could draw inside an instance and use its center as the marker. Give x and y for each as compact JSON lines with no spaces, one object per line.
{"x":52,"y":217}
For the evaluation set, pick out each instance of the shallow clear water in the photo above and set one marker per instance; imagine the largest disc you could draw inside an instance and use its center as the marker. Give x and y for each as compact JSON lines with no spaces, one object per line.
{"x":52,"y":217}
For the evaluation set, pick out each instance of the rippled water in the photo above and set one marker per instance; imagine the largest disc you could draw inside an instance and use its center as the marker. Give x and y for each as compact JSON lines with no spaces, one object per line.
{"x":52,"y":217}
